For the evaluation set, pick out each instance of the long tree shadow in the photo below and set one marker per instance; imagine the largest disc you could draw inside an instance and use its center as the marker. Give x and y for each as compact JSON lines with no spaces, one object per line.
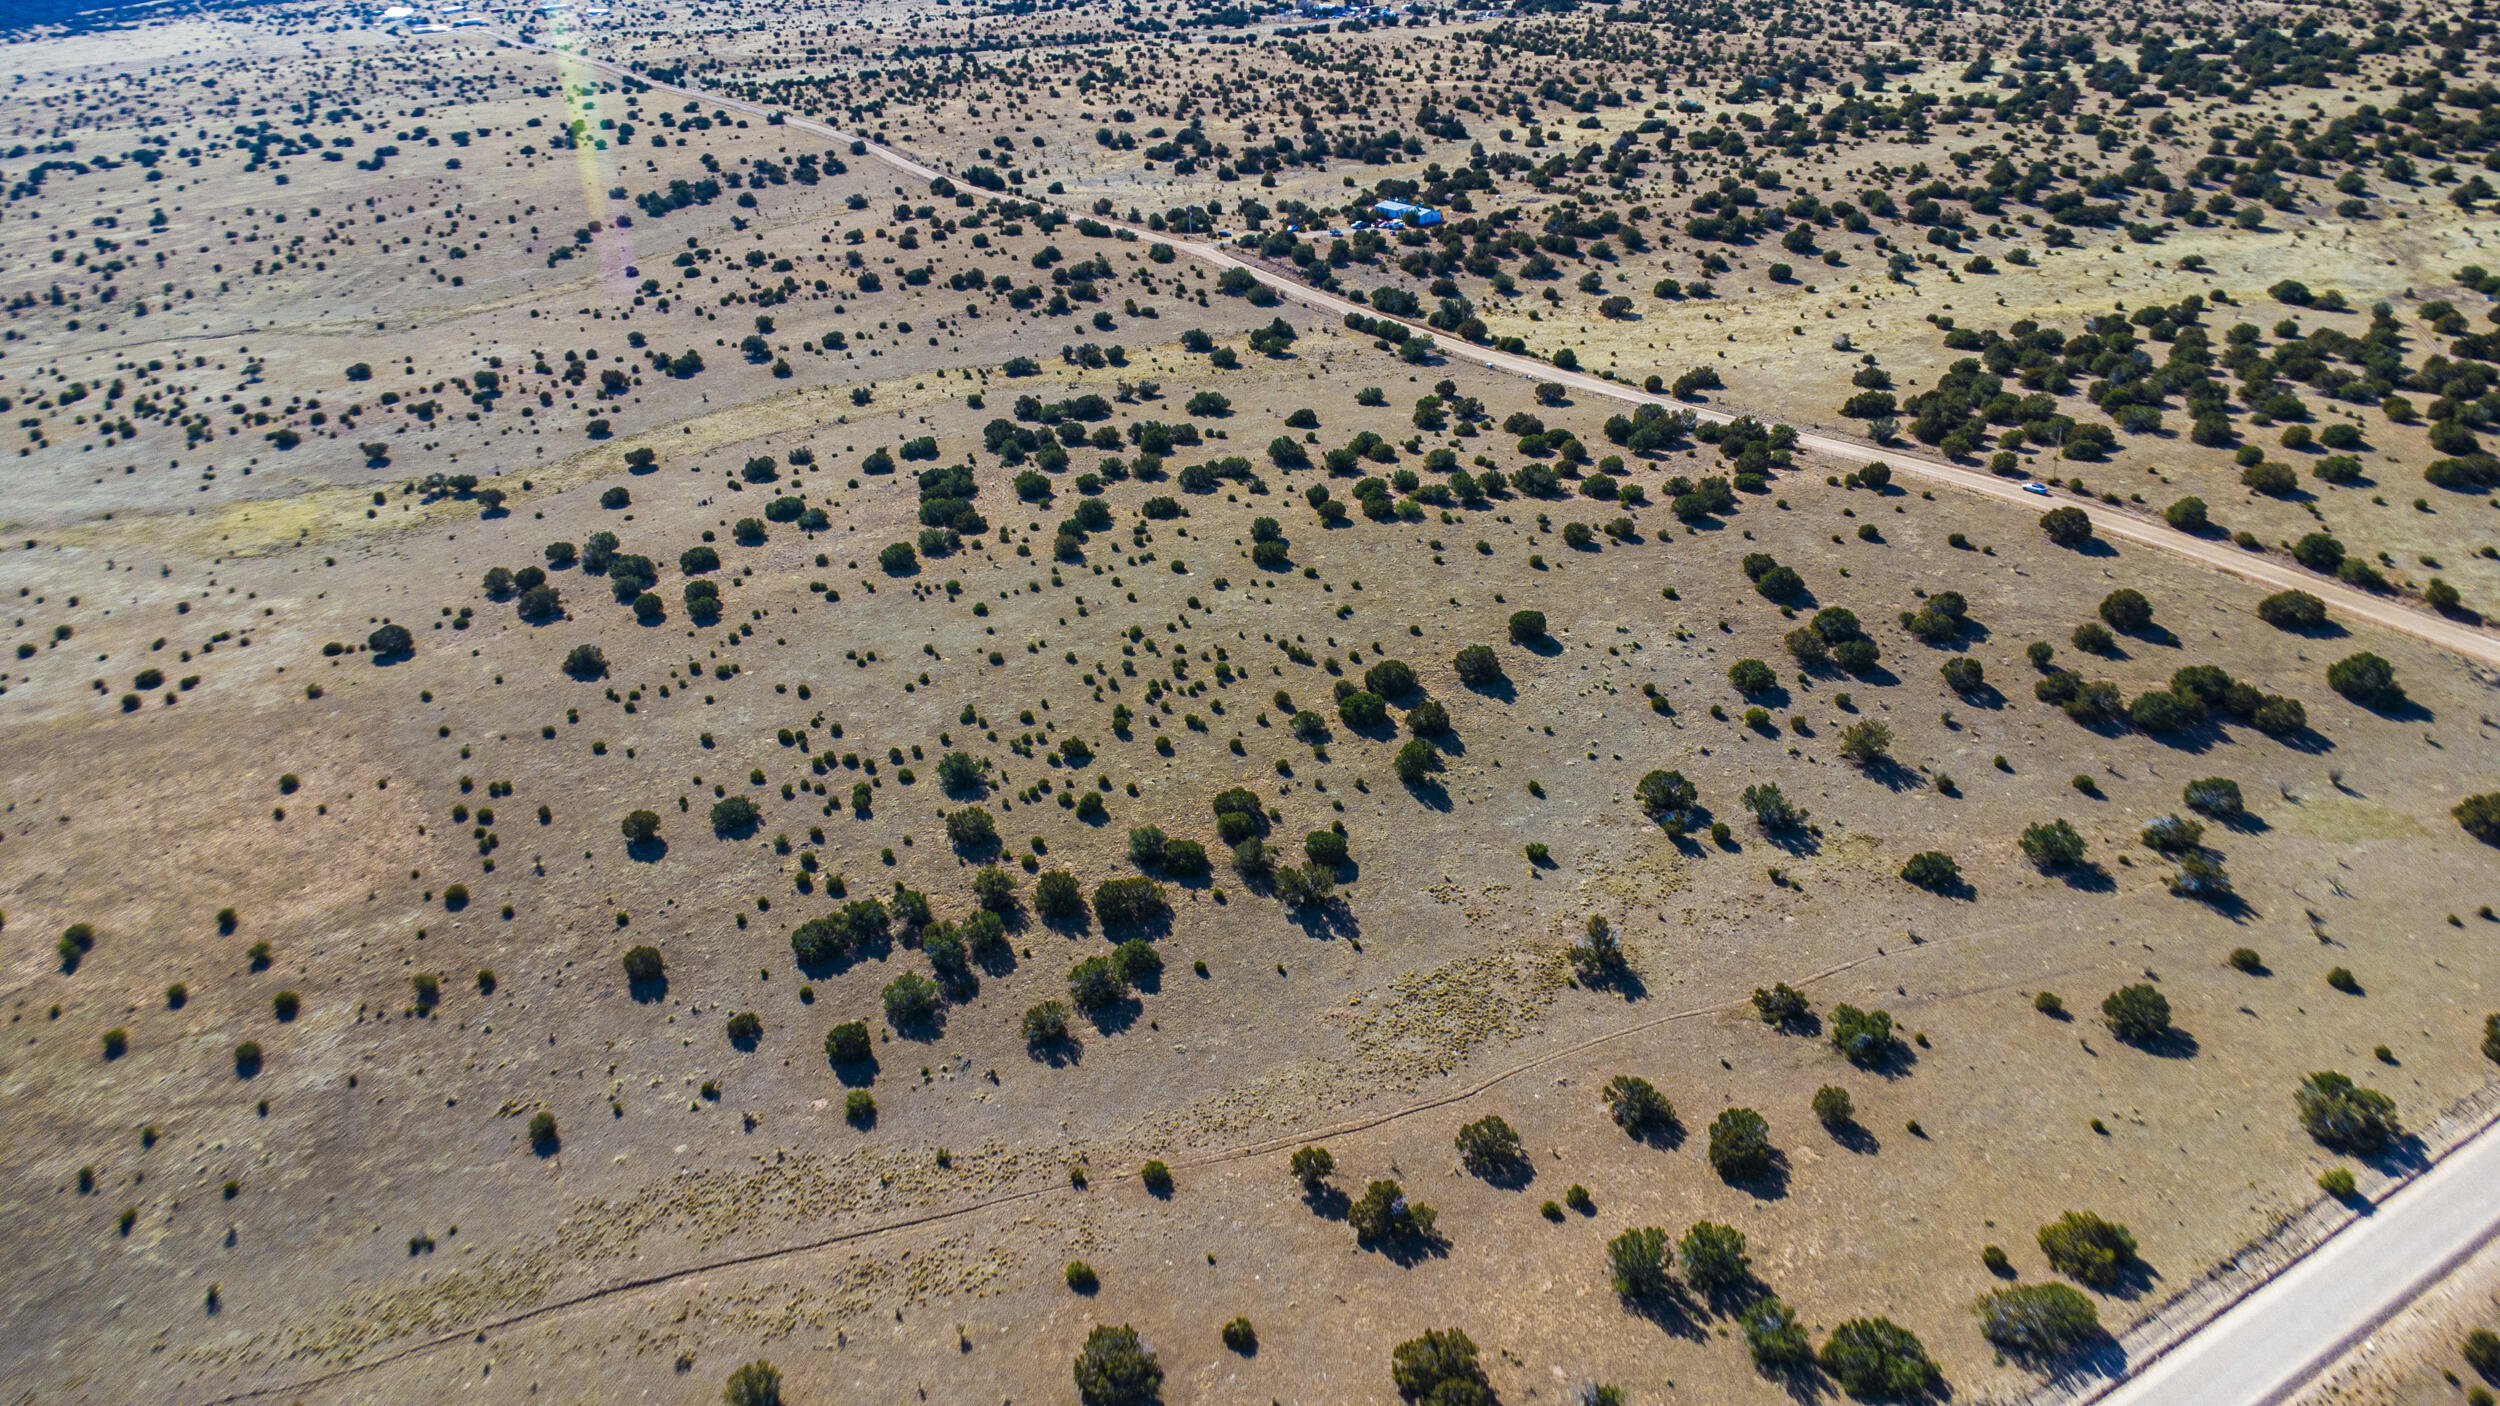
{"x":1804,"y":1383}
{"x":1854,"y":1137}
{"x":1770,"y":1184}
{"x":1793,"y":840}
{"x":2087,"y":877}
{"x":1408,"y":1251}
{"x":1113,"y":1017}
{"x":925,"y":1030}
{"x":1058,"y":1053}
{"x":2171,"y":1043}
{"x":2196,"y":741}
{"x":1672,"y":1310}
{"x":2401,"y":1156}
{"x":1326,"y":921}
{"x":2154,"y":633}
{"x":1510,"y":1174}
{"x":2135,"y":1279}
{"x":1430,"y":794}
{"x":1622,"y":980}
{"x":2100,"y":1357}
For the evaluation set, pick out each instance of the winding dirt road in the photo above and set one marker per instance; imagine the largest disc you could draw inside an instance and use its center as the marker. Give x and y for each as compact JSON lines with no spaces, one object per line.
{"x":2473,"y":642}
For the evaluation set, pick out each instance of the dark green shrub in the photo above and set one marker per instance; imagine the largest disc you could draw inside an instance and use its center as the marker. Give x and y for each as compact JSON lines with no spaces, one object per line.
{"x":2367,"y":680}
{"x":755,"y":1384}
{"x":1129,"y":902}
{"x":1865,"y":742}
{"x":1773,"y":1336}
{"x":911,"y":1001}
{"x":2292,"y":610}
{"x":2480,"y":815}
{"x":847,"y":1043}
{"x":1833,"y":1108}
{"x":2137,"y":1014}
{"x":2068,"y":526}
{"x":1115,"y":1368}
{"x":2052,"y":846}
{"x":971,"y":828}
{"x":2037,"y":1322}
{"x":1864,"y":1038}
{"x":1713,"y":1257}
{"x":1058,"y":897}
{"x":1771,"y":810}
{"x":1383,"y":1214}
{"x":1184,"y":859}
{"x":1439,"y":1369}
{"x":1931,"y":869}
{"x":1877,"y":1358}
{"x":2481,"y":1350}
{"x":1740,"y":1145}
{"x":1639,"y":1263}
{"x":2088,"y":1249}
{"x":2126,"y":610}
{"x":1045,"y":1024}
{"x":1780,"y":1004}
{"x":1137,"y":961}
{"x":1488,"y":1145}
{"x":2217,"y":796}
{"x":2345,"y":1116}
{"x":1636,"y":1105}
{"x":1095,"y":984}
{"x":1325,"y":848}
{"x":1389,"y":679}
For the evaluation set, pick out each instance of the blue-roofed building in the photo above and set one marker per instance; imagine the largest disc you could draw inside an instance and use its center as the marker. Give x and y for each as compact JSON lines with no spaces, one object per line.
{"x":1403,"y":211}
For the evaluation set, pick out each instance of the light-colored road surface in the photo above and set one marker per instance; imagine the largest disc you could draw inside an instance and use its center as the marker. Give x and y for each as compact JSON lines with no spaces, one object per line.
{"x":2274,"y":574}
{"x":2266,"y":1347}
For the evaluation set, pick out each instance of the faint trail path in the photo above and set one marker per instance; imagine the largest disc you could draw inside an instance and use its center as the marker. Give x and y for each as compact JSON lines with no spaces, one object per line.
{"x":2480,"y":645}
{"x":1264,"y":1147}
